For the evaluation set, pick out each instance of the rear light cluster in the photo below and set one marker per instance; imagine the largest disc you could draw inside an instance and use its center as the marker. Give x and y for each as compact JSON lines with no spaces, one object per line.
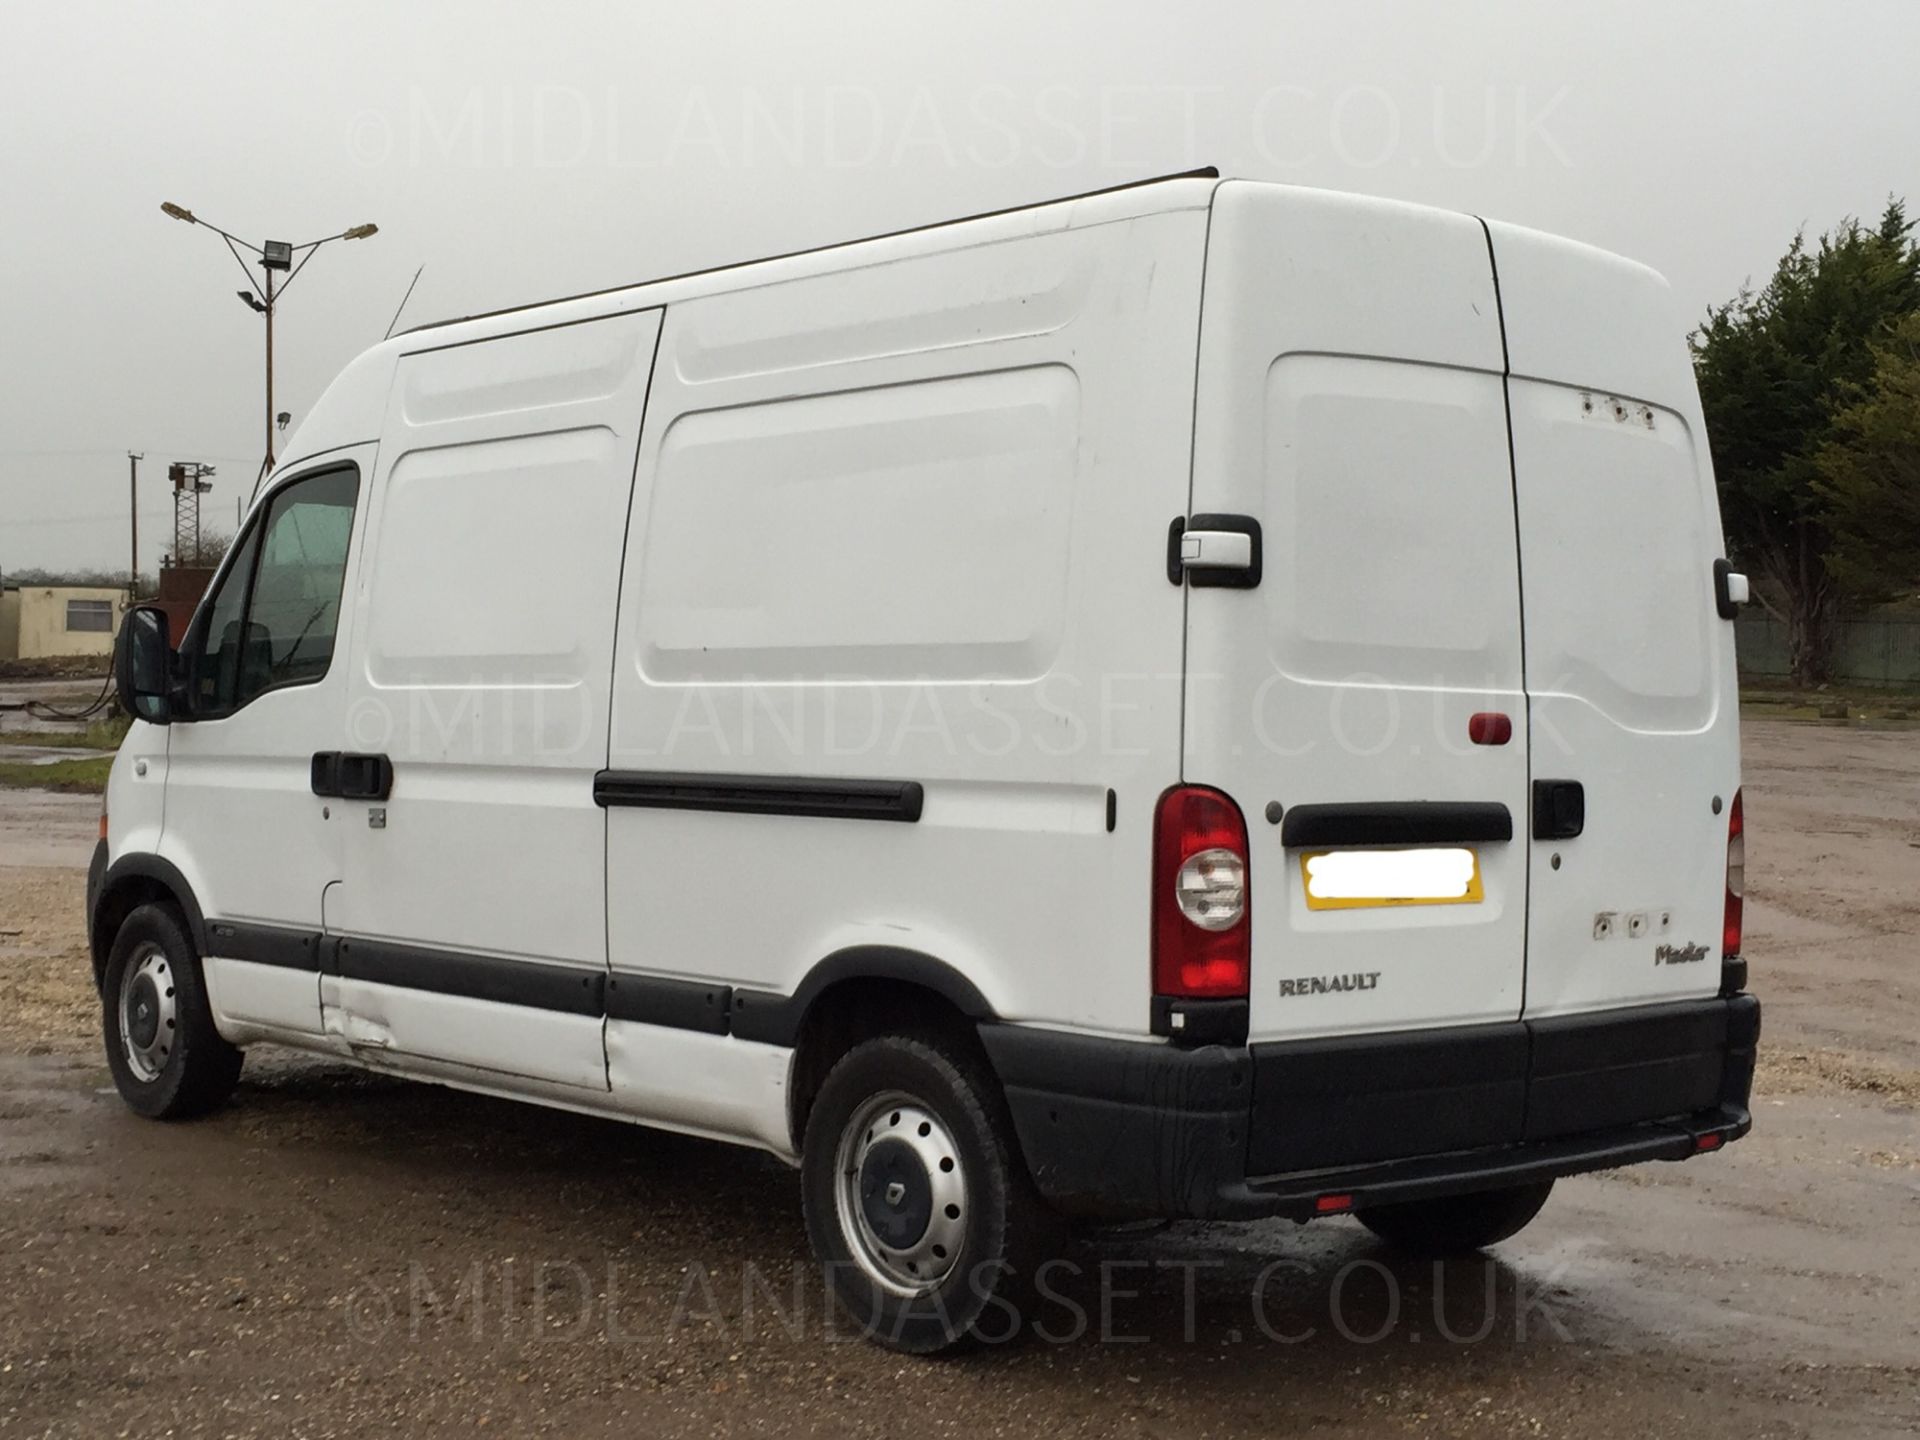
{"x":1736,"y":879}
{"x":1201,"y":948}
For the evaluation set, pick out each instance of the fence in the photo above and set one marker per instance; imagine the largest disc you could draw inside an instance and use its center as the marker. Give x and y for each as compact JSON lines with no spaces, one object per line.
{"x":1871,"y":651}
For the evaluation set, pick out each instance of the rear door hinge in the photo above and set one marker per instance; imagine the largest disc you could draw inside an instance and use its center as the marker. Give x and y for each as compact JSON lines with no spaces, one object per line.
{"x":1217,"y":551}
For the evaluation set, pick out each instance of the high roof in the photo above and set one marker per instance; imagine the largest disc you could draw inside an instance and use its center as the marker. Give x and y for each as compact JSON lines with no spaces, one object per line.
{"x":350,"y":410}
{"x":1206,"y":172}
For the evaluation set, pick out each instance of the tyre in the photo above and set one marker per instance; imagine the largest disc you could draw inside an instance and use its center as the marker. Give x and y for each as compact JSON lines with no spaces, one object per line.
{"x":167,"y":1059}
{"x":1457,"y":1224}
{"x":917,"y":1201}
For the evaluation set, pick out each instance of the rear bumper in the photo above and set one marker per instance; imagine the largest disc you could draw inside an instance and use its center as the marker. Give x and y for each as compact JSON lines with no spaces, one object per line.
{"x":1122,"y":1128}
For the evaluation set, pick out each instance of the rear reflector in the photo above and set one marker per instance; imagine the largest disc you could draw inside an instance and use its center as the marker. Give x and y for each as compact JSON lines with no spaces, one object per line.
{"x":1333,"y":1204}
{"x":1490,"y":727}
{"x":1736,"y":878}
{"x":1708,"y":1142}
{"x":1201,"y":947}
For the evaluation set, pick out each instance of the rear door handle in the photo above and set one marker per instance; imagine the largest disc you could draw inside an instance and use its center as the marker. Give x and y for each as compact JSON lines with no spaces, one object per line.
{"x":1559,"y":809}
{"x":347,"y":775}
{"x":1730,"y":590}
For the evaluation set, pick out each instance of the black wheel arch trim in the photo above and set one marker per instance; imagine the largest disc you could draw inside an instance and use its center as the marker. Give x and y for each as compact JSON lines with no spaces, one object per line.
{"x":774,"y":1019}
{"x":141,"y":865}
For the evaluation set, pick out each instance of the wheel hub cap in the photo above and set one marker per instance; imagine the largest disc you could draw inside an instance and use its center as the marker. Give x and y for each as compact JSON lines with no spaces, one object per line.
{"x":148,"y":1015}
{"x":902,"y":1194}
{"x":896,"y":1194}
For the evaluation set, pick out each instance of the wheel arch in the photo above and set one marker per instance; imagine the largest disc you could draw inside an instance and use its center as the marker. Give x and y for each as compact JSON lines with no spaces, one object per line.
{"x":857,"y":994}
{"x":130,"y":882}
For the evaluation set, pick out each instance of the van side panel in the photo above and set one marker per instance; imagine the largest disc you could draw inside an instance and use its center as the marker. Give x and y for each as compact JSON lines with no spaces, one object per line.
{"x":471,"y":912}
{"x":900,"y":532}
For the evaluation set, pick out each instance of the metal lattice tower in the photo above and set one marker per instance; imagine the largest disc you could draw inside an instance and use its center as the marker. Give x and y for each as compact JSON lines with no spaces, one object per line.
{"x":191,"y":480}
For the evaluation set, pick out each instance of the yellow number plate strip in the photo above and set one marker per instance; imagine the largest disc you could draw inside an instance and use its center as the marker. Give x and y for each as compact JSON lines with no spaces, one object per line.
{"x":1370,"y":879}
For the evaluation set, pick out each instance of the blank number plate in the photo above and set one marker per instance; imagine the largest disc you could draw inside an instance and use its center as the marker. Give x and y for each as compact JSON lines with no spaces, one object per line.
{"x":1364,"y":879}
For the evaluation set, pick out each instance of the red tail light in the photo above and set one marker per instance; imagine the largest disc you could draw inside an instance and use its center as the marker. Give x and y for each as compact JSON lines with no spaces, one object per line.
{"x":1200,"y":930}
{"x":1736,"y":878}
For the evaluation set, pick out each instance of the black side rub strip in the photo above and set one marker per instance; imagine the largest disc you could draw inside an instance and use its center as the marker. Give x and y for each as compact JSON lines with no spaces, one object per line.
{"x":760,"y":795}
{"x":1417,"y":822}
{"x":676,"y":1004}
{"x":572,"y":989}
{"x":264,"y":945}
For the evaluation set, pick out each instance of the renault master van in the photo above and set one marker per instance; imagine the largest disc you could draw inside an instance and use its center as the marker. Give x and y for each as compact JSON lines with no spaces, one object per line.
{"x":1205,"y":699}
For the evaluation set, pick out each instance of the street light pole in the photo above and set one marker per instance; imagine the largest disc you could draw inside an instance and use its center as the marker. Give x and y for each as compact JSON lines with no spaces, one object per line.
{"x":267,"y":464}
{"x":133,"y":498}
{"x":270,"y":256}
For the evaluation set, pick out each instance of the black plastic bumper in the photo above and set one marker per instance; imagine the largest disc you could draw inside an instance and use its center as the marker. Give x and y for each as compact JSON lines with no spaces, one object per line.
{"x":1121,"y":1128}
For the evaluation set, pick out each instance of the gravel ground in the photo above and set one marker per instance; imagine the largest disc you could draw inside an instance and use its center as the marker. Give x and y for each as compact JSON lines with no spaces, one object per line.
{"x":343,"y":1254}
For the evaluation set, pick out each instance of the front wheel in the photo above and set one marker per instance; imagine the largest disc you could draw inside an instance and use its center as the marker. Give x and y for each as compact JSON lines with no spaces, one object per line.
{"x":917,"y":1201}
{"x":167,"y":1059}
{"x":1457,"y":1224}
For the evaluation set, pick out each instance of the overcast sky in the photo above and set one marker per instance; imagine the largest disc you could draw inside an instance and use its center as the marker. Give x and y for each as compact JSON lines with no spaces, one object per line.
{"x":520,"y":151}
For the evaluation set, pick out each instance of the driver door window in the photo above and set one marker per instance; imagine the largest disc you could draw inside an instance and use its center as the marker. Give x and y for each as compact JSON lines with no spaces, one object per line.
{"x":273,"y":621}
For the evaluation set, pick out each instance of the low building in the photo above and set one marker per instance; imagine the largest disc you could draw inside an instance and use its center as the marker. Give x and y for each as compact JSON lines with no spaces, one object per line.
{"x":42,"y":621}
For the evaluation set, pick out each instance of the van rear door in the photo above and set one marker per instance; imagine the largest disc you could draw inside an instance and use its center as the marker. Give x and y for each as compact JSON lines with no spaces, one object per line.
{"x":1630,"y":668}
{"x":1351,"y":401}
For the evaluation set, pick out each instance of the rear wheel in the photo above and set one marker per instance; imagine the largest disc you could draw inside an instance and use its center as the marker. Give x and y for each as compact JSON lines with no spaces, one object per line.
{"x":167,"y":1059}
{"x":917,"y":1200}
{"x":1457,"y":1224}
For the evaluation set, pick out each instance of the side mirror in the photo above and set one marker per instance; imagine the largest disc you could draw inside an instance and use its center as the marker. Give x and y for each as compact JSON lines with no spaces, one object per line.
{"x":143,"y":665}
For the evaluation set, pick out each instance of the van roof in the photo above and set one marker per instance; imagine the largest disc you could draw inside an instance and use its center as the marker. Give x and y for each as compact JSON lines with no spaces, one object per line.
{"x":348,"y":411}
{"x":1205,"y":172}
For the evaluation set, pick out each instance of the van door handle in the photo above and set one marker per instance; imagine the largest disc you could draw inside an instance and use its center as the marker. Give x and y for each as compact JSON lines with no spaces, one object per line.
{"x":325,"y":773}
{"x":1221,"y":551}
{"x":1730,"y":590}
{"x":365,"y":777}
{"x":343,"y":775}
{"x":1559,"y":809}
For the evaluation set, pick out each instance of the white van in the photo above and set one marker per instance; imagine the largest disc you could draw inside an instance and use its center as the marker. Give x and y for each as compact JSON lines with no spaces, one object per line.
{"x":1203,"y":699}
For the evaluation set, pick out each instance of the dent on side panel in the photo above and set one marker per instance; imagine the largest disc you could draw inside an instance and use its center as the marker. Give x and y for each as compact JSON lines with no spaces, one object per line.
{"x":487,"y":1035}
{"x":738,"y":1088}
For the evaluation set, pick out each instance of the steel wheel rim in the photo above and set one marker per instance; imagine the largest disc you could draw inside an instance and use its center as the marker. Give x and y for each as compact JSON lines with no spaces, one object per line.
{"x":149,"y":1017}
{"x":896,"y":1157}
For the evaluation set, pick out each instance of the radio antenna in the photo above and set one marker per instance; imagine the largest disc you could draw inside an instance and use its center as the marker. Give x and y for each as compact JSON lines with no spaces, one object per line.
{"x":403,"y":303}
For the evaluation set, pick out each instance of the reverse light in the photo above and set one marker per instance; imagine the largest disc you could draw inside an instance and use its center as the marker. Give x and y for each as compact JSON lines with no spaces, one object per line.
{"x":1736,"y":878}
{"x":1201,"y":947}
{"x":1212,"y":889}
